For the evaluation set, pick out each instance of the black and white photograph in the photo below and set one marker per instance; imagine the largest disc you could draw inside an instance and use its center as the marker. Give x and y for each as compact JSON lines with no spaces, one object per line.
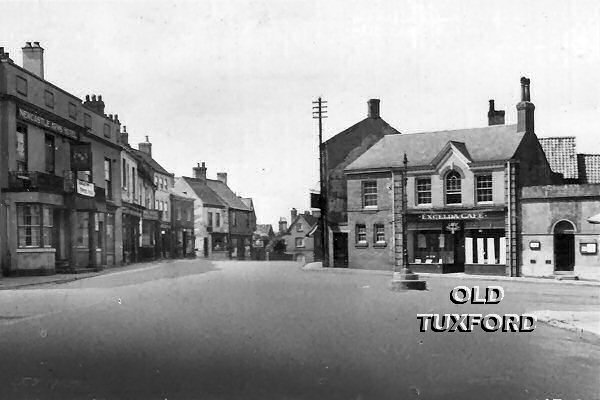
{"x":299,"y":199}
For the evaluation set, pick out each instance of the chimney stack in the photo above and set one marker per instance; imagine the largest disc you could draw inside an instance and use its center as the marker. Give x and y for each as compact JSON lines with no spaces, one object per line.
{"x":222,"y":176}
{"x":146,"y":147}
{"x":495,"y":117}
{"x":125,"y":136}
{"x":282,"y":225}
{"x":95,"y":104}
{"x":373,"y":109}
{"x":33,"y":58}
{"x":525,"y":109}
{"x":293,"y":214}
{"x":200,"y":171}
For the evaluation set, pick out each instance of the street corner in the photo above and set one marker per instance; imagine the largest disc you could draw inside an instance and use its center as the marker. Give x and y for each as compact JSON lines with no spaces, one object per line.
{"x":314,"y":266}
{"x":576,"y":321}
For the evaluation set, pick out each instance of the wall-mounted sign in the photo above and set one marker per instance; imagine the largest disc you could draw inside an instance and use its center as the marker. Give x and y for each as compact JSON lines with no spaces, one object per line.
{"x":453,"y":227}
{"x":46,"y":123}
{"x":85,"y":188}
{"x":588,"y":248}
{"x":81,"y":157}
{"x":535,"y":245}
{"x":451,"y":216}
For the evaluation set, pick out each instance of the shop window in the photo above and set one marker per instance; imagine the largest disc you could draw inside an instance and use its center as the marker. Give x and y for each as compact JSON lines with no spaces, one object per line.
{"x":453,"y":188}
{"x":432,"y":247}
{"x":361,"y":234}
{"x":369,"y":193}
{"x":218,"y":220}
{"x":22,"y":85}
{"x":424,"y":191}
{"x":29,"y":225}
{"x":72,"y":111}
{"x":299,"y":242}
{"x":485,"y":246}
{"x":484,"y":188}
{"x":21,"y":147}
{"x":210,"y":219}
{"x":83,"y":219}
{"x":379,"y":230}
{"x":49,"y":99}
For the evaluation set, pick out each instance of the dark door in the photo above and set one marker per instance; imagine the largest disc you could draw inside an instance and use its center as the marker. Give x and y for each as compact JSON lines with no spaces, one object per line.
{"x":205,"y":247}
{"x":340,"y":250}
{"x":459,"y":251}
{"x":564,"y":251}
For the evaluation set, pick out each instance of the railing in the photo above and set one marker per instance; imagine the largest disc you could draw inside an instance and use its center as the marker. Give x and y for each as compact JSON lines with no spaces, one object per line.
{"x":35,"y":182}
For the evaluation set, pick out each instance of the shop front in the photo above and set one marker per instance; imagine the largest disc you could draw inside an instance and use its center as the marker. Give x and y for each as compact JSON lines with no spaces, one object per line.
{"x":470,"y":241}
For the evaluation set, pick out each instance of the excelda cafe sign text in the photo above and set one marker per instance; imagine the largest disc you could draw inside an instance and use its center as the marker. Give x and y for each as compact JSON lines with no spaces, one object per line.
{"x":451,"y":216}
{"x":467,"y":322}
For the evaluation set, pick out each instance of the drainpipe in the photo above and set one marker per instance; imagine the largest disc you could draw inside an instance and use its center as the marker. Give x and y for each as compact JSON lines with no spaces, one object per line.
{"x":509,"y":258}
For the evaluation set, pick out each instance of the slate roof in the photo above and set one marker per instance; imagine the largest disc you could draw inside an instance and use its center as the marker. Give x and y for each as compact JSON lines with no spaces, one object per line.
{"x":227,"y":195}
{"x":151,"y":161}
{"x":589,"y":167}
{"x":561,"y":155}
{"x":248,"y":202}
{"x":204,"y":192}
{"x":310,"y":220}
{"x":264,"y":230}
{"x":490,"y":143}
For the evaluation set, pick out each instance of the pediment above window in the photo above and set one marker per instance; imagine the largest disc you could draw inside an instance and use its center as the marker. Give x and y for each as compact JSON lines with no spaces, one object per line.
{"x":454,"y":156}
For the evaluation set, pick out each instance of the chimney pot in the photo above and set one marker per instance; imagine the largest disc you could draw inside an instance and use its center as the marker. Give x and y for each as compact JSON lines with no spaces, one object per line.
{"x":33,"y":59}
{"x":495,"y":117}
{"x":1,"y":50}
{"x":93,"y":97}
{"x":373,"y":108}
{"x":36,"y":44}
{"x":525,"y":109}
{"x":28,"y":44}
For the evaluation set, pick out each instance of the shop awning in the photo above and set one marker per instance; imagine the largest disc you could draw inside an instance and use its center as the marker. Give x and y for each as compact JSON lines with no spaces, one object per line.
{"x":594,"y":220}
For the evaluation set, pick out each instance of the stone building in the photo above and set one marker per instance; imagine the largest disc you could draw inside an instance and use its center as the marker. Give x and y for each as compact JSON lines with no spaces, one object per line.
{"x":182,"y":225}
{"x":298,"y":240}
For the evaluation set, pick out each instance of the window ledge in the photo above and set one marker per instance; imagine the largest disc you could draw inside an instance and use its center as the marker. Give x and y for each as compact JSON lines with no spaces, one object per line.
{"x":361,"y":245}
{"x":36,"y":250}
{"x":380,"y":245}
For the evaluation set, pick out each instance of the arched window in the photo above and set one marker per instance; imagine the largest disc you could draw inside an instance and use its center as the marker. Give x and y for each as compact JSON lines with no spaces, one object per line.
{"x":453,"y":194}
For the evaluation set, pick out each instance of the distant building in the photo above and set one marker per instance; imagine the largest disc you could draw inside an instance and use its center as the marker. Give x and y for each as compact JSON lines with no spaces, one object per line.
{"x":261,"y":238}
{"x":182,"y":225}
{"x":298,"y":242}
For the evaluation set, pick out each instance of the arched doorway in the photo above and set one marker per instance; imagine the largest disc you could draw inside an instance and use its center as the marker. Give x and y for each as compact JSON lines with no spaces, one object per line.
{"x":564,"y":246}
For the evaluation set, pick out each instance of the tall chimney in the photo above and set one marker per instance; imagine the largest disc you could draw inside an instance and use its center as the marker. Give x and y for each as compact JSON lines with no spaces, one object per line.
{"x":222,"y":176}
{"x":373,"y":109}
{"x":293,"y":214}
{"x":200,"y":171}
{"x":495,"y":117}
{"x":125,"y":136}
{"x":525,"y":109}
{"x":33,"y":58}
{"x":146,"y":147}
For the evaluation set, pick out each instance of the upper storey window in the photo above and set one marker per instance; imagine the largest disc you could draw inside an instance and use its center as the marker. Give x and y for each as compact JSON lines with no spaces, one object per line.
{"x":453,"y":188}
{"x":484,"y":188}
{"x":369,"y":193}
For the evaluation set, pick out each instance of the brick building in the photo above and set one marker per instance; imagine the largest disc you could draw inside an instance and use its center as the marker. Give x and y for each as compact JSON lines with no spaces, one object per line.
{"x":298,"y":239}
{"x":462,"y":196}
{"x":182,"y":225}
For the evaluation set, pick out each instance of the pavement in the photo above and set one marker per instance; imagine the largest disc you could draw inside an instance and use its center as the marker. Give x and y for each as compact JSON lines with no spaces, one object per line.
{"x":572,"y":320}
{"x":194,"y":329}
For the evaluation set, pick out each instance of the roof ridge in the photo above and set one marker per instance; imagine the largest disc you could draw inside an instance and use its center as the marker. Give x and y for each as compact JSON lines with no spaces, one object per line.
{"x":457,"y":130}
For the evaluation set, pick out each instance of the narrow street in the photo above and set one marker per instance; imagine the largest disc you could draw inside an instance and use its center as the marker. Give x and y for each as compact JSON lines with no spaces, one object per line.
{"x":258,"y":330}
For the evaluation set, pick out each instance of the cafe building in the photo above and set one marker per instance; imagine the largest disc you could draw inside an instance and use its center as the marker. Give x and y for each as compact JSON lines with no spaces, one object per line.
{"x":445,"y":201}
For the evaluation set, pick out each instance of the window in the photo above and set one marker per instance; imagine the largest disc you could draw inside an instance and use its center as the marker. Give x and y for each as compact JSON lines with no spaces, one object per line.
{"x":179,"y":213}
{"x":21,"y":147}
{"x":22,"y":86}
{"x":50,"y":153}
{"x":124,"y":165}
{"x":108,"y":177}
{"x":72,"y":111}
{"x":156,"y":205}
{"x":369,"y":193}
{"x":299,"y":242}
{"x":233,"y":219}
{"x":424,"y":191}
{"x":218,"y":220}
{"x":361,"y":234}
{"x":156,"y":181}
{"x":87,"y":121}
{"x":379,"y":230}
{"x":83,"y":219}
{"x":106,"y":130}
{"x":210,"y":219}
{"x":133,"y":180}
{"x":484,"y":188}
{"x":453,"y":186}
{"x":188,"y":215}
{"x":49,"y":99}
{"x":29,"y":225}
{"x":47,"y":225}
{"x":85,"y":176}
{"x":298,"y":226}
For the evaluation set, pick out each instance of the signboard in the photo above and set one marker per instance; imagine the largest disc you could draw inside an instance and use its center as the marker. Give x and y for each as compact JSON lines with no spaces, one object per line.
{"x":81,"y":157}
{"x":452,"y":216}
{"x":588,"y":248}
{"x":453,"y":227}
{"x":46,"y":123}
{"x":535,"y":245}
{"x":85,"y":188}
{"x":315,"y":200}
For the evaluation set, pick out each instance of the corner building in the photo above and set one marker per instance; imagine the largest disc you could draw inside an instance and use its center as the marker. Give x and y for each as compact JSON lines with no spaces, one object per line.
{"x":457,"y":196}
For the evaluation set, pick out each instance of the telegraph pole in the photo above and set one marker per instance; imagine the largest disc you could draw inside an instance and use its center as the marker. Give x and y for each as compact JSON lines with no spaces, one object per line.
{"x":319,"y":110}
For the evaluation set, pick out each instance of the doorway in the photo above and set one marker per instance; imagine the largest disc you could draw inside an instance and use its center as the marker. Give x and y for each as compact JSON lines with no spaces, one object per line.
{"x":564,"y":247}
{"x":340,"y":250}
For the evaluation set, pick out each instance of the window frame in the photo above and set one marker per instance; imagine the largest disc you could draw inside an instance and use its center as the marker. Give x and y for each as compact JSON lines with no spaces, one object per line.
{"x":455,"y":191}
{"x":22,"y":89}
{"x":72,"y":111}
{"x":24,"y":162}
{"x":299,"y":240}
{"x":49,"y":98}
{"x":379,"y":228}
{"x":359,"y":233}
{"x":87,"y":121}
{"x":43,"y":227}
{"x":420,"y":191}
{"x":49,"y":144}
{"x":479,"y":190}
{"x":108,"y":178}
{"x":369,"y":194}
{"x":107,"y":131}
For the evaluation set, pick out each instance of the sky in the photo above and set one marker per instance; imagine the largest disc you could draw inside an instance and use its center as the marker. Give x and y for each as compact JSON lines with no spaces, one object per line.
{"x":231,"y":83}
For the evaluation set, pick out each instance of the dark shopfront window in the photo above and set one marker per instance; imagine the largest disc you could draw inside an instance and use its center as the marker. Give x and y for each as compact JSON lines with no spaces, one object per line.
{"x":35,"y":224}
{"x":431,"y":247}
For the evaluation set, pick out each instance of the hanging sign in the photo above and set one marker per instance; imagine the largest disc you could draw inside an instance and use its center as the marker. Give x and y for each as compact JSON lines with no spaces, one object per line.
{"x":81,"y":157}
{"x":453,"y":227}
{"x":85,"y":188}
